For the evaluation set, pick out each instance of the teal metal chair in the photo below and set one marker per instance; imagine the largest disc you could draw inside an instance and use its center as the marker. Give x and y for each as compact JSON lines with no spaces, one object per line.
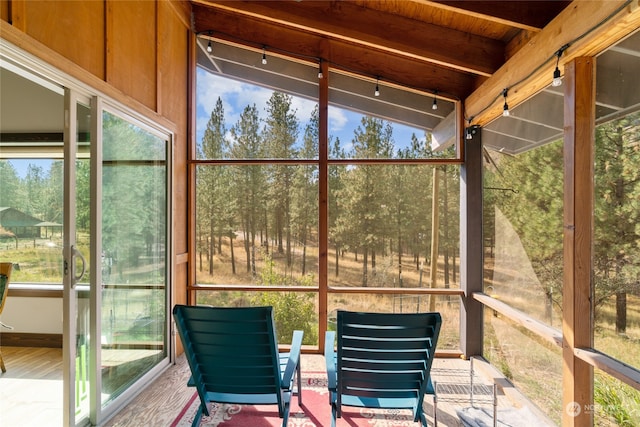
{"x":233,"y":356}
{"x":383,"y":361}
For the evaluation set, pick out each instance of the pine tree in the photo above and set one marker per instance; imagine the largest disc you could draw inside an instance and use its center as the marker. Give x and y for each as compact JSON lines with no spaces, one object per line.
{"x":249,"y":181}
{"x":617,"y":213}
{"x":280,"y":135}
{"x":305,"y":200}
{"x":212,"y":198}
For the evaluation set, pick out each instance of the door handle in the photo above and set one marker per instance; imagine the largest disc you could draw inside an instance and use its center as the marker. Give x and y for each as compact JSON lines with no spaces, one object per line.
{"x":75,"y":253}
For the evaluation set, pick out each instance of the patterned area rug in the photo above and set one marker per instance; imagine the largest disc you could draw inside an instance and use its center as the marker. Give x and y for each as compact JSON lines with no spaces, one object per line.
{"x":314,"y":412}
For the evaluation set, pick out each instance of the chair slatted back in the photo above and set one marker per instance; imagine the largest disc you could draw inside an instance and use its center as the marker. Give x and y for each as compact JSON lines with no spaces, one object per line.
{"x":230,"y":350}
{"x":382,"y":355}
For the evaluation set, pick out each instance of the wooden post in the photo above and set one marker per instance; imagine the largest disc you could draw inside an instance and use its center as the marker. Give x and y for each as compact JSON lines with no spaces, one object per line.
{"x":577,"y":308}
{"x":471,"y":247}
{"x":323,"y":201}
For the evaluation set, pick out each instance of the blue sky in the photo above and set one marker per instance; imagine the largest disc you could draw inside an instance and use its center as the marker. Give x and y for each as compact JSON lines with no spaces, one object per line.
{"x":22,"y":165}
{"x":236,"y":95}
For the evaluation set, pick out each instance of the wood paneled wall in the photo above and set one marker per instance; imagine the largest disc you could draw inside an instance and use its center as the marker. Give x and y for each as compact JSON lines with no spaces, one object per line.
{"x":137,"y":52}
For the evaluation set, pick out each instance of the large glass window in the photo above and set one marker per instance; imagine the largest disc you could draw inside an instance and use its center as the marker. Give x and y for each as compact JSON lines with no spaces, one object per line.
{"x":257,"y":224}
{"x":523,"y":244}
{"x":393,"y":218}
{"x":371,"y":119}
{"x":523,"y":213}
{"x":386,"y":221}
{"x":616,"y":249}
{"x":257,"y":186}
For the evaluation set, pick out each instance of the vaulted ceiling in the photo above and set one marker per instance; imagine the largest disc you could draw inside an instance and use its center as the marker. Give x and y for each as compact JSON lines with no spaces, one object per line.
{"x":448,"y":46}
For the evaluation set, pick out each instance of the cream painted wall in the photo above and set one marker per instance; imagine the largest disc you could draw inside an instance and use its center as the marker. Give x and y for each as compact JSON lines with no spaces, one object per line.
{"x":33,"y":315}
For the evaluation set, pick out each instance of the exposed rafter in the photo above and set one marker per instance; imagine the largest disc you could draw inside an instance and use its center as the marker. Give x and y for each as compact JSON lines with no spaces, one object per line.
{"x":393,"y":67}
{"x":397,"y":35}
{"x":449,"y":46}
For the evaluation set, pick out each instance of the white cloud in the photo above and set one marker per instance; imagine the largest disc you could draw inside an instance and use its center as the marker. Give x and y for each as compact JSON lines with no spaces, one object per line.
{"x":337,"y":119}
{"x":303,"y":107}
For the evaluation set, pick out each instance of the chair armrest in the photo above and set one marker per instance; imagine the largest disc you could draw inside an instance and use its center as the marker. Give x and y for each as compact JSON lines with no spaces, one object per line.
{"x":330,"y":359}
{"x":294,"y":359}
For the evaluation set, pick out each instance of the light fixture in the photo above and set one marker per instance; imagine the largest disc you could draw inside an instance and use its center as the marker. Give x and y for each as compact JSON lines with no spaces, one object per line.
{"x":469,"y":130}
{"x":377,"y":91}
{"x":557,"y":81}
{"x":505,"y":108}
{"x":209,"y":42}
{"x":264,"y":55}
{"x":434,"y":106}
{"x":320,"y":69}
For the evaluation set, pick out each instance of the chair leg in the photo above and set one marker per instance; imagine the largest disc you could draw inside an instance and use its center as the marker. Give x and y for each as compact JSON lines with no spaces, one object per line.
{"x":435,"y":407}
{"x":198,"y":418}
{"x":334,"y":415}
{"x":285,"y":415}
{"x":299,"y":375}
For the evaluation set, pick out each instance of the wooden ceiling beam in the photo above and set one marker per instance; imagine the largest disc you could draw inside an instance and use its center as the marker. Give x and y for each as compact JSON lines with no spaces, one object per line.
{"x":526,"y":15}
{"x":586,"y":25}
{"x":388,"y":33}
{"x":350,"y":57}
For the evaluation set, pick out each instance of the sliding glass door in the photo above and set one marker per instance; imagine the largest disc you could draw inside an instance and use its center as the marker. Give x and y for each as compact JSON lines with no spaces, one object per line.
{"x":117,"y":240}
{"x":85,"y":211}
{"x":133,"y":213}
{"x":76,"y":250}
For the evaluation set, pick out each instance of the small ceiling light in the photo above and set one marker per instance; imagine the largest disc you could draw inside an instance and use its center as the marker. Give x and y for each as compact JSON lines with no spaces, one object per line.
{"x":434,"y":106}
{"x":557,"y":81}
{"x":468,"y":130}
{"x":505,"y":108}
{"x":209,"y":45}
{"x":320,"y":70}
{"x":264,"y":56}
{"x":377,"y":91}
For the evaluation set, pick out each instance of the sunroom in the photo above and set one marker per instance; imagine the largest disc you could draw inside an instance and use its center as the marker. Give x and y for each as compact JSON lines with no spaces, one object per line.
{"x":480,"y":160}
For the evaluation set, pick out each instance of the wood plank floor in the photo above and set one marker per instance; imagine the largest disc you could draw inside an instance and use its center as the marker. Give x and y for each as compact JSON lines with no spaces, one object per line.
{"x":31,"y":389}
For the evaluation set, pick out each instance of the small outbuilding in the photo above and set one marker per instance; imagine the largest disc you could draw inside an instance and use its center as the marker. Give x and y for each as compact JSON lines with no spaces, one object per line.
{"x":18,"y":224}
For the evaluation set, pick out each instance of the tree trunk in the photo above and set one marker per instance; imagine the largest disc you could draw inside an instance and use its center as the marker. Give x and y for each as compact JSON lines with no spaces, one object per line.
{"x":435,"y":225}
{"x":279,"y":231}
{"x":266,"y":233}
{"x":373,"y":263}
{"x":212,"y":247}
{"x":246,"y":249}
{"x":233,"y":256}
{"x":365,"y":261}
{"x":399,"y":258}
{"x":621,"y":312}
{"x":304,"y":259}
